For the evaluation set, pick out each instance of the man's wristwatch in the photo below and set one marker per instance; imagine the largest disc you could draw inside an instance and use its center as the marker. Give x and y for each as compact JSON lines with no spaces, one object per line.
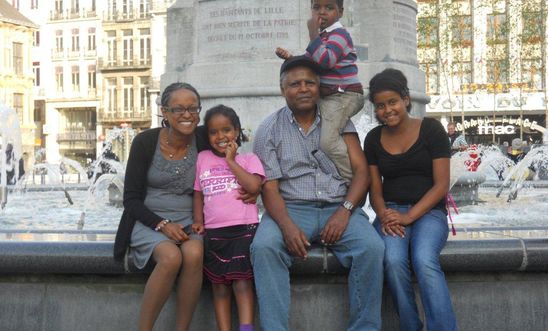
{"x":348,"y":205}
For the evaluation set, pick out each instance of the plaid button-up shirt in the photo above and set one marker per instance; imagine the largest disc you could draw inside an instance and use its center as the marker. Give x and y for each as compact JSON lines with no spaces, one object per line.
{"x":294,"y":158}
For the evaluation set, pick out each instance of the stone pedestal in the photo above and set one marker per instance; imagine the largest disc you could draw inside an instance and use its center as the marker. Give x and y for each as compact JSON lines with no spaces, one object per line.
{"x":465,"y":189}
{"x":225,"y":48}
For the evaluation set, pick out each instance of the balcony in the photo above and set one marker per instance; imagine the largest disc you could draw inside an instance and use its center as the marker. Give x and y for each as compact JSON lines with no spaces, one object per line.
{"x":58,"y":54}
{"x":135,"y":62}
{"x":124,"y":115}
{"x":80,"y":135}
{"x":90,"y":53}
{"x":126,"y":16}
{"x":55,"y":15}
{"x":74,"y":54}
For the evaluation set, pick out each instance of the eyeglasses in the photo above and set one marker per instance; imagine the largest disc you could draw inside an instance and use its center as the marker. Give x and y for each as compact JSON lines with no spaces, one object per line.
{"x":180,"y":110}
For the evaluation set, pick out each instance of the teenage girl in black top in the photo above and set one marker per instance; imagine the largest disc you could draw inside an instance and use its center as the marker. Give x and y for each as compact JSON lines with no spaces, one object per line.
{"x":409,"y":168}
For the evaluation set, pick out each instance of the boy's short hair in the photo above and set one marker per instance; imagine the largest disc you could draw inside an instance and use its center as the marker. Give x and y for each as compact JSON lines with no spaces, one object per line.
{"x":340,"y":3}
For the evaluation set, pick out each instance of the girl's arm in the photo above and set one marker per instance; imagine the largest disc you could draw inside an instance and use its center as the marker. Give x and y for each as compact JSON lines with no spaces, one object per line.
{"x":377,"y":202}
{"x":251,"y":183}
{"x":198,"y":212}
{"x":375,"y":191}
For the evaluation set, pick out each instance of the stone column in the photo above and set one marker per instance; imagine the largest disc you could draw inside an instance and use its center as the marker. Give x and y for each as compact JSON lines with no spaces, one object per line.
{"x":385,"y":36}
{"x":225,"y":48}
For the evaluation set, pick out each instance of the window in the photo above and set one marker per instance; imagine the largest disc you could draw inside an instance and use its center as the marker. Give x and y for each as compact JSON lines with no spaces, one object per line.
{"x":144,"y":8}
{"x":34,"y":4}
{"x":15,"y":4}
{"x":461,"y":30}
{"x":18,"y":58}
{"x":91,"y":39}
{"x":497,"y":29}
{"x":127,"y":8}
{"x":111,"y":46}
{"x":36,"y":72}
{"x":75,"y":40}
{"x":427,"y":31}
{"x":59,"y":78}
{"x":59,"y":6}
{"x":532,"y":27}
{"x":432,"y":78}
{"x":59,"y":40}
{"x":111,"y":8}
{"x":92,"y":77}
{"x":75,"y":78}
{"x":36,"y":38}
{"x":127,"y":41}
{"x":143,"y":93}
{"x":128,"y":94}
{"x":532,"y":73}
{"x":497,"y":71}
{"x":18,"y":105}
{"x":144,"y":46}
{"x":462,"y":73}
{"x":75,"y":6}
{"x":111,"y":102}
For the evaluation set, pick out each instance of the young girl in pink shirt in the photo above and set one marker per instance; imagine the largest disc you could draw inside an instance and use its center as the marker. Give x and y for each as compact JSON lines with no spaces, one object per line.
{"x":229,"y":223}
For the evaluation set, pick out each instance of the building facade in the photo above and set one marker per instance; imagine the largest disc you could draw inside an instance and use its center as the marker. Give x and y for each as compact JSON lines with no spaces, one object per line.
{"x":485,"y":65}
{"x":96,"y":68}
{"x":16,"y":75}
{"x":131,"y":60}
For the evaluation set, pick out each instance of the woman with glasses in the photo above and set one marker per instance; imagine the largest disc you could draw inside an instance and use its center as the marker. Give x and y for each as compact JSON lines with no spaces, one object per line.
{"x":157,"y":217}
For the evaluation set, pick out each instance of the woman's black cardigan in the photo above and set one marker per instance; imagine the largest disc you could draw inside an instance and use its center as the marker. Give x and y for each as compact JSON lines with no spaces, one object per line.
{"x":141,"y":154}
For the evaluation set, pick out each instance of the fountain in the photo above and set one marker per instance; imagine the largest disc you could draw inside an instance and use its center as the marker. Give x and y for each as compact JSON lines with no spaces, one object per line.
{"x":10,"y":151}
{"x":92,"y":197}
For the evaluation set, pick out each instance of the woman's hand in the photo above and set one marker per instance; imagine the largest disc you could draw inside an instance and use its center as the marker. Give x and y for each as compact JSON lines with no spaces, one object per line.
{"x":395,"y":230}
{"x":393,"y":222}
{"x":174,"y":232}
{"x":393,"y":217}
{"x":198,"y":228}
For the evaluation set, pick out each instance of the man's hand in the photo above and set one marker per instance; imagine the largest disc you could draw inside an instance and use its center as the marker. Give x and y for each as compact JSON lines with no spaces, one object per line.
{"x":295,"y":240}
{"x":283,"y":53}
{"x":335,"y":226}
{"x":246,"y":197}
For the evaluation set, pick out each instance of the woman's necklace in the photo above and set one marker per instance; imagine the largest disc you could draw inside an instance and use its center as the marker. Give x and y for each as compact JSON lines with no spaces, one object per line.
{"x":171,"y":155}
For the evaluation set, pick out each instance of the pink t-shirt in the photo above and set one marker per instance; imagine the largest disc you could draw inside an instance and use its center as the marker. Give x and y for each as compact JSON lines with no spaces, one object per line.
{"x":220,"y":189}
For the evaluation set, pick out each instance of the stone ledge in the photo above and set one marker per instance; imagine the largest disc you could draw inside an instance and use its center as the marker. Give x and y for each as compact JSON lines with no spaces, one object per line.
{"x":75,"y":257}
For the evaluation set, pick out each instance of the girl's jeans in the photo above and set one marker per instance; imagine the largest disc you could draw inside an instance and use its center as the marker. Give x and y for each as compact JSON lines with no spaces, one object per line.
{"x":420,"y":250}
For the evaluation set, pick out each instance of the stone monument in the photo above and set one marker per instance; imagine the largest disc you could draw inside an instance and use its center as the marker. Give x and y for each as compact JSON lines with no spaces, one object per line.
{"x":225,"y":48}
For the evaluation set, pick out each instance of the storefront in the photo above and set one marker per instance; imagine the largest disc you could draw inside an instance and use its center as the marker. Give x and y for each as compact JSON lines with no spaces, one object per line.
{"x":500,"y":129}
